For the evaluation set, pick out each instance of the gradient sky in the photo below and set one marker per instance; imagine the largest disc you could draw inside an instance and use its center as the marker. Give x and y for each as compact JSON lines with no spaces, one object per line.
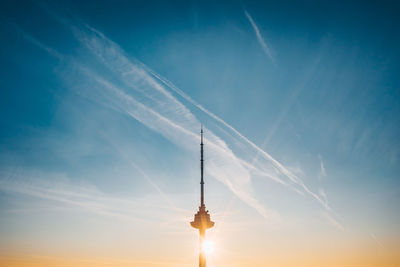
{"x":101,"y":104}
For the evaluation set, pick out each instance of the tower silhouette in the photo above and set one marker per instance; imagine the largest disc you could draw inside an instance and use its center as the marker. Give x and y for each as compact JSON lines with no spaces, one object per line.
{"x":202,"y":219}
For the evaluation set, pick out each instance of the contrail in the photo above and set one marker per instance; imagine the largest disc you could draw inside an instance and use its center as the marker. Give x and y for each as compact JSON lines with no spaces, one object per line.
{"x":161,"y":111}
{"x":145,"y":175}
{"x":259,"y":36}
{"x":331,"y":220}
{"x":139,"y":92}
{"x":182,"y":136}
{"x":278,"y":165}
{"x":137,"y":77}
{"x":322,"y":166}
{"x":88,"y":199}
{"x":34,"y":41}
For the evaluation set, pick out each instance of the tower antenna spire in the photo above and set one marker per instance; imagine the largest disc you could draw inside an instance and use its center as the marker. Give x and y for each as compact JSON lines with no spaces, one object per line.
{"x":202,"y":167}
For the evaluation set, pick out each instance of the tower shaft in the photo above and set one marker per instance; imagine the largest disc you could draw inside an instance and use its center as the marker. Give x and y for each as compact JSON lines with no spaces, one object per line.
{"x":202,"y":256}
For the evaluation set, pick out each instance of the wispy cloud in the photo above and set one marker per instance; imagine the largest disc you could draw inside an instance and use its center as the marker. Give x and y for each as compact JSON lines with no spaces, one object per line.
{"x":168,"y":116}
{"x":85,"y":197}
{"x":159,"y":110}
{"x":322,"y":167}
{"x":29,"y":38}
{"x":136,"y":90}
{"x":331,"y":220}
{"x":260,"y":168}
{"x":260,"y":38}
{"x":378,"y":242}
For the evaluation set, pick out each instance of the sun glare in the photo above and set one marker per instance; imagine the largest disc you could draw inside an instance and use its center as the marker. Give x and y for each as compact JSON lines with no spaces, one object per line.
{"x":208,"y":246}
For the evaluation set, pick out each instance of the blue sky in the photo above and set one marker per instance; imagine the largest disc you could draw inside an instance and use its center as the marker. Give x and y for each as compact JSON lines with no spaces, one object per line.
{"x":102,"y":103}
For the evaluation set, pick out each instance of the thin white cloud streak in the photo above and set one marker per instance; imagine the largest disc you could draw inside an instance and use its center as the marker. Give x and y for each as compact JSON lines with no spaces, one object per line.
{"x":331,"y":220}
{"x":35,"y":41}
{"x":321,"y":175}
{"x":322,"y":167}
{"x":242,"y":137}
{"x":378,"y":242}
{"x":234,"y":176}
{"x":177,"y":116}
{"x":260,"y":38}
{"x":86,"y":198}
{"x":163,"y":113}
{"x":143,"y":74}
{"x":145,"y":175}
{"x":159,"y":110}
{"x":277,"y":166}
{"x":212,"y":115}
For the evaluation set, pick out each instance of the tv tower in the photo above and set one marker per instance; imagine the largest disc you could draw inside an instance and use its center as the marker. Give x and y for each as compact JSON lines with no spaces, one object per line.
{"x":202,"y":217}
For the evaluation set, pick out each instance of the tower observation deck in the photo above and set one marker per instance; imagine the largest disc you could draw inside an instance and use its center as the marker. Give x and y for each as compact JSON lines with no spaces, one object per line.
{"x":202,"y":219}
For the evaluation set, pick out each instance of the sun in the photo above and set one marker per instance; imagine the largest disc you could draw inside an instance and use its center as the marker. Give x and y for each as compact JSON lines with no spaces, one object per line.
{"x":208,"y":246}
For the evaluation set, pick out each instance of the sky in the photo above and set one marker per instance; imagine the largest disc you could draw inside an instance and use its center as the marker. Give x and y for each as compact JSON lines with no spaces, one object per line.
{"x":101,"y":105}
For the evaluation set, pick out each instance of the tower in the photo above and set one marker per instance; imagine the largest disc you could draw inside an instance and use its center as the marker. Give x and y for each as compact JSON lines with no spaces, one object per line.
{"x":202,"y":219}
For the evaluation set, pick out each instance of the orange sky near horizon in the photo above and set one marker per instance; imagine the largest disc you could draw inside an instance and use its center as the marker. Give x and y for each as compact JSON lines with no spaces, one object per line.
{"x":368,"y":254}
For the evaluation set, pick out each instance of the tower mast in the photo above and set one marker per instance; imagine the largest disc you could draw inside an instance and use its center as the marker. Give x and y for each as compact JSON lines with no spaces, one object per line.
{"x":202,"y":167}
{"x":202,"y":219}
